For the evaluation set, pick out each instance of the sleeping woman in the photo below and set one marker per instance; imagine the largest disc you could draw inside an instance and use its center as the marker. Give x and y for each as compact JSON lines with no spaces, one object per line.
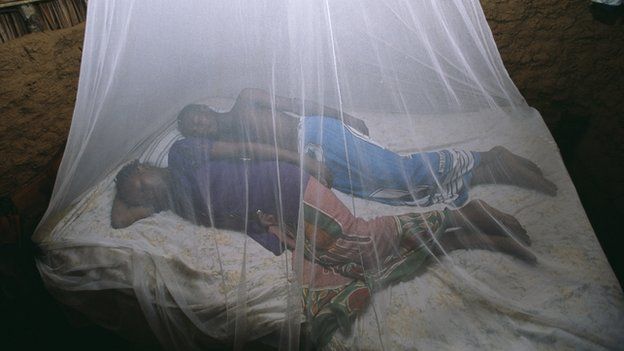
{"x":216,"y":184}
{"x":242,"y":170}
{"x":349,"y":161}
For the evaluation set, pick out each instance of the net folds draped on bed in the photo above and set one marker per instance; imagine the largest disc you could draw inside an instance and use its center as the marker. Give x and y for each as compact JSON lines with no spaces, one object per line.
{"x":317,"y":174}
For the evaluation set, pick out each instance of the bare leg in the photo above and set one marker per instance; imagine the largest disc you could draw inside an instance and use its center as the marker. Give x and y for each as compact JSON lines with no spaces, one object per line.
{"x":500,"y":166}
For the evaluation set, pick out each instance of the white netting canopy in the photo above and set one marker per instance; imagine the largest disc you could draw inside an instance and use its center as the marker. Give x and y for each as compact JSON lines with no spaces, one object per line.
{"x":323,"y":174}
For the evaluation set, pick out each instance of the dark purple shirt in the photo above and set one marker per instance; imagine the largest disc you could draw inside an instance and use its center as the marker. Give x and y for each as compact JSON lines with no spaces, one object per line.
{"x":227,"y":193}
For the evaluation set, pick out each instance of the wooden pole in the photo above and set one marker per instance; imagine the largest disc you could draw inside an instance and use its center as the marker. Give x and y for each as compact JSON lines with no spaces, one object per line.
{"x":19,"y":3}
{"x":32,"y":17}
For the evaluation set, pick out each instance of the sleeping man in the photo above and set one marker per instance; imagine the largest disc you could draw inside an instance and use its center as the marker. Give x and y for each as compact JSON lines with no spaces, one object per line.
{"x":243,"y":187}
{"x":352,"y":163}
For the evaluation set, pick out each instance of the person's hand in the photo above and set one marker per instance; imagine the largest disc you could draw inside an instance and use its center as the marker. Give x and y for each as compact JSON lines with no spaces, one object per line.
{"x":319,"y":171}
{"x":359,"y":125}
{"x":266,"y":220}
{"x":123,"y":215}
{"x":325,"y":176}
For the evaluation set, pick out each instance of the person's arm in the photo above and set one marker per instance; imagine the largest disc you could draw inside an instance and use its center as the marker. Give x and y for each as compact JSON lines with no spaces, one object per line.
{"x":261,"y":98}
{"x":255,"y":151}
{"x":123,"y":215}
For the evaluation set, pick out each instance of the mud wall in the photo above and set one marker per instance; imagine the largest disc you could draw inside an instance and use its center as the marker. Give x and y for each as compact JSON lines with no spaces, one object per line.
{"x":571,"y":68}
{"x":561,"y":59}
{"x":38,"y":82}
{"x":566,"y":64}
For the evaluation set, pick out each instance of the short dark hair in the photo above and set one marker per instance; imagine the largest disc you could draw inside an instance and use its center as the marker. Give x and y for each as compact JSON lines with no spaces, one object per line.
{"x":124,"y":175}
{"x":190,"y":110}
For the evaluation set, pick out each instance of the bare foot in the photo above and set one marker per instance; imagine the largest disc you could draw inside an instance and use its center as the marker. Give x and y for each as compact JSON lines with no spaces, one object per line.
{"x":500,"y":166}
{"x":479,"y":217}
{"x":461,"y":239}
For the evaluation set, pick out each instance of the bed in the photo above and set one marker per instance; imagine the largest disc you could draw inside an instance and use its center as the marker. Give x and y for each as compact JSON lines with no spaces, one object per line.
{"x":181,"y":281}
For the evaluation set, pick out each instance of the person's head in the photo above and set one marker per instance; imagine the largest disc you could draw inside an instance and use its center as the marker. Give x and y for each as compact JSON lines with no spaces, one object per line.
{"x":198,"y":120}
{"x":140,"y":184}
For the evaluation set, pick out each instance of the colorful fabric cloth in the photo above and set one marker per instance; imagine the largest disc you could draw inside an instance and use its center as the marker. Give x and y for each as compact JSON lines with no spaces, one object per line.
{"x":365,"y":169}
{"x":374,"y":253}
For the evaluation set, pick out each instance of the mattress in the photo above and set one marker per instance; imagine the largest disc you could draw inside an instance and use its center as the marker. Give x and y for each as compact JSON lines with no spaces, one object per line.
{"x":186,"y":278}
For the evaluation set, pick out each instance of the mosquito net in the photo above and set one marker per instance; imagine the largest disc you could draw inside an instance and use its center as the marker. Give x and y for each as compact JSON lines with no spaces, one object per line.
{"x":317,"y":174}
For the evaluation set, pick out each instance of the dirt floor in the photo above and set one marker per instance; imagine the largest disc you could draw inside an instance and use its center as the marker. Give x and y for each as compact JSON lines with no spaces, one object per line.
{"x":567,"y":65}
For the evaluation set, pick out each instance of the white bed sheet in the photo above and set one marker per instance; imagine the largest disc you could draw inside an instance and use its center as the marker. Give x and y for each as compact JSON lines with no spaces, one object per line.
{"x":569,"y":300}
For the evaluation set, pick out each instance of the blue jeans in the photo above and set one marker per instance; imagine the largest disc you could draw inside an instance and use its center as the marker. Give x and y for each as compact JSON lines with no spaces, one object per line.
{"x":367,"y":170}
